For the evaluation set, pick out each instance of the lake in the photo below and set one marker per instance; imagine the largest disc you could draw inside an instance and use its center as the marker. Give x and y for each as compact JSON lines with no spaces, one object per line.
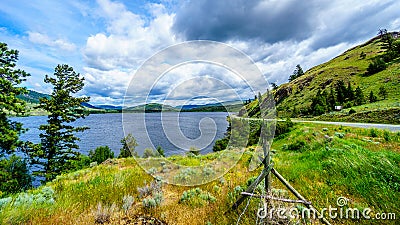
{"x":174,"y":132}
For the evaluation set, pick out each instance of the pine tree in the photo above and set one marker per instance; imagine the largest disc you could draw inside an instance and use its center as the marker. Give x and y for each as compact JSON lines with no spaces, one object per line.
{"x":341,"y":92}
{"x":349,"y":92}
{"x":298,"y":72}
{"x":129,"y":144}
{"x":383,"y":92}
{"x":56,"y":151}
{"x":10,"y":80}
{"x":359,"y":96}
{"x":319,"y":103}
{"x":372,"y":97}
{"x":331,"y":101}
{"x":14,"y":172}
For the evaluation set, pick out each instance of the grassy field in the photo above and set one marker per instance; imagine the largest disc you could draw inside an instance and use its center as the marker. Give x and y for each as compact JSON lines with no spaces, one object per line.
{"x":322,"y":162}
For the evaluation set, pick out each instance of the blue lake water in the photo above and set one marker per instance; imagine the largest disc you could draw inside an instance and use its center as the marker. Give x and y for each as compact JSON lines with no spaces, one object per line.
{"x":174,"y":132}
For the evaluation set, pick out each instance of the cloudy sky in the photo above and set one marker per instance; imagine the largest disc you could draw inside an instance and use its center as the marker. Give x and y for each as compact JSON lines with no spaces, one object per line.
{"x":107,"y":41}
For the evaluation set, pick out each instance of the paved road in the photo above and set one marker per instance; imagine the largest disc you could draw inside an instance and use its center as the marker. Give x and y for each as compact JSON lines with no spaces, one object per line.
{"x":391,"y":127}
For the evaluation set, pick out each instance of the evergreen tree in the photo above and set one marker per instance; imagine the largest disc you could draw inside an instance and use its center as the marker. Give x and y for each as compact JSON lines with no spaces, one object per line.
{"x":341,"y":92}
{"x":359,"y":96}
{"x":10,"y":79}
{"x":14,"y":175}
{"x":349,"y":92}
{"x":318,"y":105}
{"x":101,"y":154}
{"x":372,"y":97}
{"x":129,"y":144}
{"x":274,"y":86}
{"x":298,"y":72}
{"x":295,"y":112}
{"x":331,"y":101}
{"x":160,"y":151}
{"x":14,"y":172}
{"x":383,"y":92}
{"x":58,"y":141}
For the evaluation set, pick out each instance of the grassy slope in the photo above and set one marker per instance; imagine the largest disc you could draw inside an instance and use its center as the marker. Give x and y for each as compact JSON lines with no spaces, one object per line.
{"x":362,"y":168}
{"x":348,"y":67}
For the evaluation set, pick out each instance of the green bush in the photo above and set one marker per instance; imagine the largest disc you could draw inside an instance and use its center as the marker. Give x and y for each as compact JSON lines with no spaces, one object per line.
{"x":197,"y":197}
{"x":283,"y":127}
{"x":376,"y":66}
{"x":14,"y":175}
{"x":82,"y":163}
{"x":221,"y":144}
{"x":152,"y":194}
{"x":160,"y":151}
{"x":299,"y":145}
{"x":101,"y":154}
{"x":373,"y":132}
{"x":352,"y":111}
{"x":386,"y":135}
{"x":339,"y":135}
{"x":148,"y":152}
{"x":129,"y":144}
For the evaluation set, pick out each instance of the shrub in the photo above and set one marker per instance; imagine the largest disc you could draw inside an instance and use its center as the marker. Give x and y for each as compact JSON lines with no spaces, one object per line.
{"x":376,"y":66}
{"x":101,"y":154}
{"x":386,"y":135}
{"x":148,"y":152}
{"x":152,"y":194}
{"x":363,"y":55}
{"x":149,"y":203}
{"x":352,"y":111}
{"x":339,"y":135}
{"x":299,"y":145}
{"x":103,"y":213}
{"x":221,"y":144}
{"x":160,"y":151}
{"x":147,"y":190}
{"x":283,"y":127}
{"x":194,"y":150}
{"x":196,"y":197}
{"x":127,"y":203}
{"x":14,"y":175}
{"x":4,"y":202}
{"x":129,"y":144}
{"x":82,"y":162}
{"x":185,"y":175}
{"x":45,"y":196}
{"x":208,"y":171}
{"x":373,"y":132}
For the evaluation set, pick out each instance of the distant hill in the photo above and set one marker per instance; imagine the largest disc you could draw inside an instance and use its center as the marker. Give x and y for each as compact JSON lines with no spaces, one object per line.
{"x":294,"y":99}
{"x":33,"y":96}
{"x":151,"y":107}
{"x":87,"y":105}
{"x":112,"y":107}
{"x":232,"y":106}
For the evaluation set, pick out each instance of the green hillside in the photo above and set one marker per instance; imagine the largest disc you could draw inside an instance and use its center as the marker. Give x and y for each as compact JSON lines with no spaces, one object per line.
{"x":151,"y":107}
{"x":294,"y":99}
{"x":32,"y":96}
